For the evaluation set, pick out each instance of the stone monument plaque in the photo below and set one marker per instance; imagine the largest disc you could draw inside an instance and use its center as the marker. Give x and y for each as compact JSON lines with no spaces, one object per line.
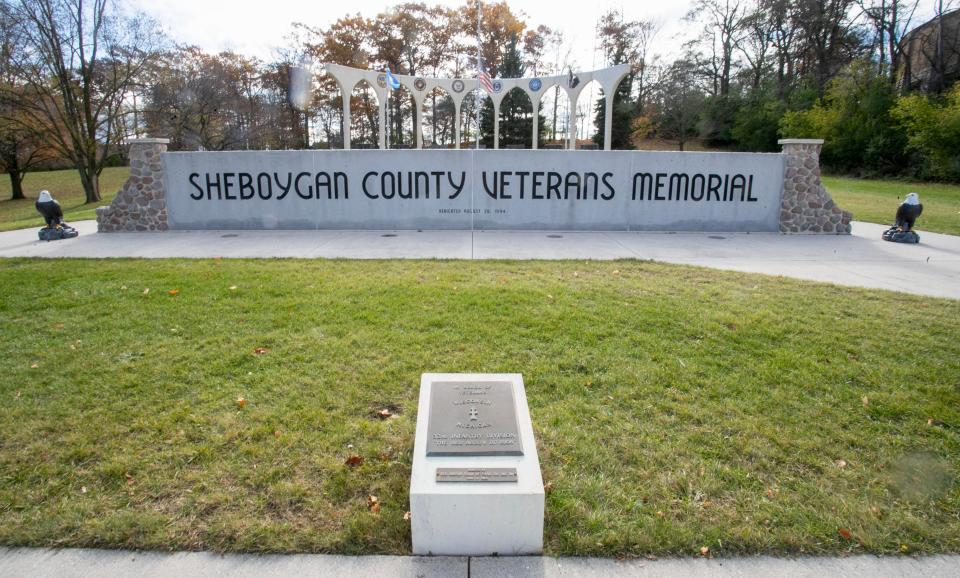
{"x":476,"y":474}
{"x":475,"y":482}
{"x":473,"y":419}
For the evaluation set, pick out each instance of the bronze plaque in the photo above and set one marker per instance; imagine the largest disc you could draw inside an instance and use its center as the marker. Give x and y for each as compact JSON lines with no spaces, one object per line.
{"x":476,"y":474}
{"x":473,"y":419}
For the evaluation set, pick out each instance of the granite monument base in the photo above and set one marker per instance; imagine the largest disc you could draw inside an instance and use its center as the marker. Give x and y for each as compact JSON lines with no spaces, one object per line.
{"x":475,"y":488}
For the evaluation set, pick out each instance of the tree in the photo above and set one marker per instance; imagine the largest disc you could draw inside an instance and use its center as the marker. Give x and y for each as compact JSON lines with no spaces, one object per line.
{"x":209,"y":101}
{"x":829,"y":39}
{"x":932,"y":126}
{"x":723,"y":28}
{"x":756,"y":42}
{"x":516,"y":110}
{"x":678,"y":103}
{"x":782,"y":15}
{"x":22,"y":147}
{"x":622,"y":43}
{"x":855,"y":120}
{"x":81,"y":61}
{"x":346,"y":42}
{"x":22,"y":140}
{"x":890,"y":19}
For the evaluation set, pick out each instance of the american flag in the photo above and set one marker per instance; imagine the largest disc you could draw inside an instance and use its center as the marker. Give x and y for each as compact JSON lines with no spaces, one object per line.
{"x":485,"y":81}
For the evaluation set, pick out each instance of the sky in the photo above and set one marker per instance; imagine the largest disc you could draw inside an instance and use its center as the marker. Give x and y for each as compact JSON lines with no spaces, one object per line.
{"x":245,"y":26}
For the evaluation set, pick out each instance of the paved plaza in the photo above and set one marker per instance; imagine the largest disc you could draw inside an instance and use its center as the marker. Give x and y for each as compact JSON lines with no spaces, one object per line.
{"x":862,"y":259}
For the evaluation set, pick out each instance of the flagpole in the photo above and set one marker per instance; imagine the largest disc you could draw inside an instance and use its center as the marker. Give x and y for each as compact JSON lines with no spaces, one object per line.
{"x":479,"y":68}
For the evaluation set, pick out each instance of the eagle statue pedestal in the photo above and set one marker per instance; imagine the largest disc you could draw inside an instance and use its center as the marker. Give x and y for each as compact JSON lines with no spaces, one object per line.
{"x":902,"y":229}
{"x":897,"y":235}
{"x":57,"y":233}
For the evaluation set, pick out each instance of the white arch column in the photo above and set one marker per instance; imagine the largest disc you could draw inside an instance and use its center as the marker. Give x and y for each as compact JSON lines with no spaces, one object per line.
{"x":456,"y":123}
{"x":345,"y":97}
{"x":418,"y":120}
{"x":382,"y":112}
{"x":572,"y":96}
{"x":496,"y":125}
{"x":607,"y":122}
{"x":609,"y":79}
{"x":497,"y":99}
{"x":536,"y":121}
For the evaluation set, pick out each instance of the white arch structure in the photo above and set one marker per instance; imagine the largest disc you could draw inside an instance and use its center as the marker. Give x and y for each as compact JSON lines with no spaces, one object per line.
{"x":347,"y":79}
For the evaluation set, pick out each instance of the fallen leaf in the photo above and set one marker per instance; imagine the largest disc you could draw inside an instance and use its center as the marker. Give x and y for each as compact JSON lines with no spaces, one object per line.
{"x":845,"y":533}
{"x":575,"y":274}
{"x":276,"y":434}
{"x":58,"y":326}
{"x":704,"y":551}
{"x":174,"y":291}
{"x":241,"y":401}
{"x":373,"y":504}
{"x":83,"y":489}
{"x":354,"y":461}
{"x":707,"y":504}
{"x":406,"y":516}
{"x":146,"y":291}
{"x":865,"y":400}
{"x":259,"y":350}
{"x":384,"y":456}
{"x":548,"y":487}
{"x":659,"y":513}
{"x":233,"y":287}
{"x":935,"y":422}
{"x":130,"y":480}
{"x":770,"y":493}
{"x":549,"y":296}
{"x":841,"y":464}
{"x":384,"y":414}
{"x":616,"y":272}
{"x":34,"y":366}
{"x":875,"y":510}
{"x":123,"y":287}
{"x":904,"y":548}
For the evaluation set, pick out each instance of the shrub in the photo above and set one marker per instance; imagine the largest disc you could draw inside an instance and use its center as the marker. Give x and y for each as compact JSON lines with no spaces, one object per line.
{"x":932,"y":126}
{"x":854,"y":119}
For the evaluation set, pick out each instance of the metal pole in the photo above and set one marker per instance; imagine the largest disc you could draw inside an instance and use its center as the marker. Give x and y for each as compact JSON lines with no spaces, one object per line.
{"x":477,"y":106}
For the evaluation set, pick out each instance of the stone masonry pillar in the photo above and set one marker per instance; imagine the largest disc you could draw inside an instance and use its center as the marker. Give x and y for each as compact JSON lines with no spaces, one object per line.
{"x":806,"y":207}
{"x":141,"y":204}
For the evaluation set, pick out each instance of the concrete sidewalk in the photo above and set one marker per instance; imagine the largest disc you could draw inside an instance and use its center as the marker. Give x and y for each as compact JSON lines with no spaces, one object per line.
{"x":862,"y":259}
{"x":30,"y":562}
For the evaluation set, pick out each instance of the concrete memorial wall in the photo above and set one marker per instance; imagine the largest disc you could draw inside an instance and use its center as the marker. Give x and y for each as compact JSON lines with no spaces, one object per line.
{"x":452,"y":189}
{"x":372,"y":189}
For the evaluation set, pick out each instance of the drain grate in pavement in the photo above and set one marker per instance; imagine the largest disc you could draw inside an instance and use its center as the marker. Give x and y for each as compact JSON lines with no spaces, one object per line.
{"x":389,"y":235}
{"x":554,"y":236}
{"x":716,"y":237}
{"x":229,"y":236}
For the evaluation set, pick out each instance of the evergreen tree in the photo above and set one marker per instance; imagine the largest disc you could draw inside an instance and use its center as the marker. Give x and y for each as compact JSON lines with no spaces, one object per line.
{"x":619,"y":40}
{"x":516,"y":115}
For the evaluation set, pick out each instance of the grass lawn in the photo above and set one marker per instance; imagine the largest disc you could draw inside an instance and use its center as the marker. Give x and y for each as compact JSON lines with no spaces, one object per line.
{"x":674,"y":407}
{"x":876,"y":201}
{"x":65,"y":187}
